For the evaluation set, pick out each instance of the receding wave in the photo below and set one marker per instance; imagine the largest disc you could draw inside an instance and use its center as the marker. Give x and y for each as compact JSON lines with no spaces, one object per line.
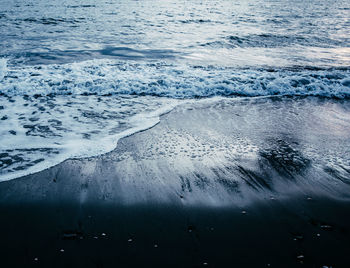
{"x":105,"y":77}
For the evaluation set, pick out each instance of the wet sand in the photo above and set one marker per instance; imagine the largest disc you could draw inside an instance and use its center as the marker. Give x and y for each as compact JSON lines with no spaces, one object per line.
{"x":230,"y":183}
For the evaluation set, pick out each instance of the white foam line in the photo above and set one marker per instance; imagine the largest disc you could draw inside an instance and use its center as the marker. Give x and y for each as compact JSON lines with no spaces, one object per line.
{"x":176,"y":80}
{"x":143,"y":121}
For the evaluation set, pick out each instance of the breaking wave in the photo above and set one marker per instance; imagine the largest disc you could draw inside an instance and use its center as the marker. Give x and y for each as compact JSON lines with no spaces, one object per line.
{"x":108,"y":77}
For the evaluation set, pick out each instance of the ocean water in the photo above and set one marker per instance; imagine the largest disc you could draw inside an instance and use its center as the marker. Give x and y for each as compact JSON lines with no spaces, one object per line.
{"x":76,"y":76}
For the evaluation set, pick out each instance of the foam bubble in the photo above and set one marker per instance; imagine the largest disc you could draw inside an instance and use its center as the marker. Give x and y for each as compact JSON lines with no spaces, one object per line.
{"x":3,"y":68}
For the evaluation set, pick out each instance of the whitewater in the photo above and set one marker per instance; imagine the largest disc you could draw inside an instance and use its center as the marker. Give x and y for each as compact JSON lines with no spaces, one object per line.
{"x":75,"y":78}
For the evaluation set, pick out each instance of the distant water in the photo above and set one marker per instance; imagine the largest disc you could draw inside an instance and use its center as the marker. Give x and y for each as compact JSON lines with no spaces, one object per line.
{"x":75,"y":76}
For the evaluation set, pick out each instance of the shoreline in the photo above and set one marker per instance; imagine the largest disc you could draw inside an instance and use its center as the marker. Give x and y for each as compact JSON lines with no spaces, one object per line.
{"x":156,"y":116}
{"x":250,"y":182}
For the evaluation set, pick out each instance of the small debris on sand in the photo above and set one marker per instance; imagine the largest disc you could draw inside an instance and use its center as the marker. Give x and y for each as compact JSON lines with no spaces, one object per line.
{"x":298,"y":237}
{"x":129,"y":240}
{"x":300,"y":258}
{"x":326,"y":227}
{"x":71,"y":235}
{"x":190,"y":228}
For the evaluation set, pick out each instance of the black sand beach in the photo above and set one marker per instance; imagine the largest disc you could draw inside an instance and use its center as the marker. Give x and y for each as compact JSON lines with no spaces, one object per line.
{"x":258,"y":182}
{"x":174,"y":133}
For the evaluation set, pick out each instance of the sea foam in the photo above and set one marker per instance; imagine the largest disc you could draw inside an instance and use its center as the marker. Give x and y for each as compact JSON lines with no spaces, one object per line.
{"x":172,"y":80}
{"x":36,"y":137}
{"x":3,"y":68}
{"x":53,"y":112}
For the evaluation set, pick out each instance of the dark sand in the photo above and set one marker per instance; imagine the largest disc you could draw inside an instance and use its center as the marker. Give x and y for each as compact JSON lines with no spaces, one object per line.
{"x":235,"y":183}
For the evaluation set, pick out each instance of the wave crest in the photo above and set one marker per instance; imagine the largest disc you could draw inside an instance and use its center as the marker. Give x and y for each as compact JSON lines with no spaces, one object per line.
{"x":104,"y":77}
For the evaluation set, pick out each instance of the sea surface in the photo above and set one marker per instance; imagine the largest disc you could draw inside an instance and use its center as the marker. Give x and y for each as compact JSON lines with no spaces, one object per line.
{"x":76,"y":76}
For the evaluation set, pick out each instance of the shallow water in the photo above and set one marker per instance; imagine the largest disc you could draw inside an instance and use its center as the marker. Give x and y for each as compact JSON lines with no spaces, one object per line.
{"x":223,"y":32}
{"x":75,"y":77}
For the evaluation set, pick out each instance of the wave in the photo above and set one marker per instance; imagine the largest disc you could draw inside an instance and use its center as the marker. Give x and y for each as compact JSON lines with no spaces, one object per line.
{"x":81,"y":6}
{"x":267,"y":40}
{"x":68,"y":56}
{"x":108,"y":77}
{"x":52,"y":21}
{"x":38,"y":133}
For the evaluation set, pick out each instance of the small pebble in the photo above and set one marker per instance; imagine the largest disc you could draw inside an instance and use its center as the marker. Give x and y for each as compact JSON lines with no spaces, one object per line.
{"x":309,"y":198}
{"x":103,"y":234}
{"x":244,"y":212}
{"x":326,"y":227}
{"x":70,"y":235}
{"x":205,"y":263}
{"x":300,"y":257}
{"x":190,"y":228}
{"x":318,"y":234}
{"x":155,"y":245}
{"x":129,"y":240}
{"x":36,"y":259}
{"x":62,"y":250}
{"x":298,"y":237}
{"x":95,"y":237}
